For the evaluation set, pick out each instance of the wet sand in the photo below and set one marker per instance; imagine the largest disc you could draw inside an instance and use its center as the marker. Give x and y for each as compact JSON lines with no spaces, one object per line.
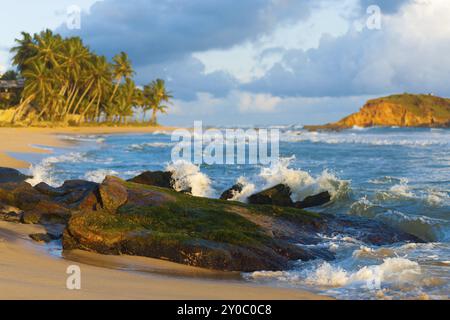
{"x":26,"y":140}
{"x":28,"y":271}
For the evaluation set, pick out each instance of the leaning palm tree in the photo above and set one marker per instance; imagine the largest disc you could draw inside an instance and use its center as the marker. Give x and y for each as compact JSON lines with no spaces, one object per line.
{"x":38,"y":86}
{"x":122,"y":69}
{"x":156,"y":94}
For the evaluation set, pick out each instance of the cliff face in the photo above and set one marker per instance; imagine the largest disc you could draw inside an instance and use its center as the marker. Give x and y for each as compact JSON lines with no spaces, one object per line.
{"x":405,"y":110}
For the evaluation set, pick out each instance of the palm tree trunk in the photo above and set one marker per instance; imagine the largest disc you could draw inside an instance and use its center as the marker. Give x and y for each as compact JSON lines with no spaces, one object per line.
{"x":20,"y":108}
{"x":70,"y":101}
{"x":115,"y":90}
{"x":82,"y":97}
{"x":153,"y":120}
{"x":87,"y":109}
{"x":97,"y":108}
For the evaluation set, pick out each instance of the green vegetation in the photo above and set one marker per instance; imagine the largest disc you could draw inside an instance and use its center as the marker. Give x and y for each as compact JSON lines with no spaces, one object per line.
{"x":418,"y":103}
{"x":184,"y":217}
{"x":65,"y":82}
{"x":9,"y":75}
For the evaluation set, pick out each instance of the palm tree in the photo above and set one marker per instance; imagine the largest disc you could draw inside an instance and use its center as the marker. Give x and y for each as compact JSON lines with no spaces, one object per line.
{"x":74,"y":58}
{"x":100,"y":75}
{"x":47,"y":46}
{"x":121,"y":69}
{"x":24,"y":51}
{"x":128,"y":97}
{"x":38,"y":86}
{"x":156,"y":94}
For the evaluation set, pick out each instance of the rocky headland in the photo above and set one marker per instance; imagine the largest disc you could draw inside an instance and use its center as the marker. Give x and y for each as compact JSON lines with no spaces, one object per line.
{"x":405,"y":110}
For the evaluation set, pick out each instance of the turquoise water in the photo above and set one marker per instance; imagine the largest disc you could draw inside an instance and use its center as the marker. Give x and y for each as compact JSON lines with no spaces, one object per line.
{"x":399,"y":176}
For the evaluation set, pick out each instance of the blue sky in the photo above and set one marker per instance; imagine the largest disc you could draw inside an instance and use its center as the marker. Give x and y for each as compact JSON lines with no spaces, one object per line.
{"x":259,"y":61}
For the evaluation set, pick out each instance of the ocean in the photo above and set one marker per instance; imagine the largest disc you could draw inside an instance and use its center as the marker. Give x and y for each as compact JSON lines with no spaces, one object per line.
{"x":395,"y":175}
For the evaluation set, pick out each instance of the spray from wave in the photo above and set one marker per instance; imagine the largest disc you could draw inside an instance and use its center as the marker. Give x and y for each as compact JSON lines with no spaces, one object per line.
{"x":187,"y":177}
{"x":45,"y":171}
{"x":301,"y":183}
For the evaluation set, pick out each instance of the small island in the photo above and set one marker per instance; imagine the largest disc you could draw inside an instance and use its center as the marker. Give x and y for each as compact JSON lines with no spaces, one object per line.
{"x":403,"y":110}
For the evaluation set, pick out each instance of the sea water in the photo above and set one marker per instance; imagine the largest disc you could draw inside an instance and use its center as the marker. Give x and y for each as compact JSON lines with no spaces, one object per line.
{"x":395,"y":175}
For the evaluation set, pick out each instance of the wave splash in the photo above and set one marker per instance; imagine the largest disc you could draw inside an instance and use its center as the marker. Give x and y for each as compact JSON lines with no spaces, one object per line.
{"x":188,"y":177}
{"x":301,"y":183}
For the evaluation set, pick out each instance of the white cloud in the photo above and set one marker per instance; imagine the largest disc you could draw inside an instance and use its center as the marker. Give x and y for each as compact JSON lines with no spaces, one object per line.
{"x":408,"y":54}
{"x":266,"y":103}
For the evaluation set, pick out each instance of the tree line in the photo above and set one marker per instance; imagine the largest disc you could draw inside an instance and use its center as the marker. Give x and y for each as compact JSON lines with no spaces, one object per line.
{"x":64,"y":80}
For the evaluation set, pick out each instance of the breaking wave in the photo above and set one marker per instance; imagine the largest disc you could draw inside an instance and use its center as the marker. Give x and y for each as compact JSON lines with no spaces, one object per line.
{"x":423,"y":227}
{"x":301,"y":183}
{"x":147,"y":145}
{"x":188,"y":177}
{"x":44,"y":171}
{"x":99,"y":175}
{"x":361,"y":136}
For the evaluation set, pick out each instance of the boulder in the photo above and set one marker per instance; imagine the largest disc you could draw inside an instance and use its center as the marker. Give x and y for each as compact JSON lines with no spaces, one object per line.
{"x":10,"y":213}
{"x":280,"y":195}
{"x":74,"y":194}
{"x":21,"y":195}
{"x":154,"y":178}
{"x":230,"y":193}
{"x":44,"y":237}
{"x":46,"y":211}
{"x":113,"y":193}
{"x":12,"y":175}
{"x":314,"y":201}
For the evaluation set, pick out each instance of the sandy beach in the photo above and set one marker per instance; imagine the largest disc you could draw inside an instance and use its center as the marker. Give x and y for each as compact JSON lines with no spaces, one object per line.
{"x":25,"y":140}
{"x":28,"y":271}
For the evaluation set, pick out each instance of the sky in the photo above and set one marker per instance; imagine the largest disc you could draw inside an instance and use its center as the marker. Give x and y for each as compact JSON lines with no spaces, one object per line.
{"x":259,"y":61}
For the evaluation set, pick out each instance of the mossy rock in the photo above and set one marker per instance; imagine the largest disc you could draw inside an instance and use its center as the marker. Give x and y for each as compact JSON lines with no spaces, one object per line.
{"x":161,"y":223}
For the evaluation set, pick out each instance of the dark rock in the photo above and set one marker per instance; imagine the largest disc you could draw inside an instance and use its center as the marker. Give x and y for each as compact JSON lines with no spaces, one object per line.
{"x":46,"y":212}
{"x":12,"y":175}
{"x":75,"y":194}
{"x":21,"y":195}
{"x":44,"y":237}
{"x":113,"y":193}
{"x":280,"y":195}
{"x":154,"y":178}
{"x":44,"y":188}
{"x":314,"y":201}
{"x":10,"y":214}
{"x":230,"y":193}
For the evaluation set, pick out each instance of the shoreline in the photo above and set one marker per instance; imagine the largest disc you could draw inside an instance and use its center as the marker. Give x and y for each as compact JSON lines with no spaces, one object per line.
{"x":104,"y":277}
{"x":29,"y":272}
{"x":27,"y":140}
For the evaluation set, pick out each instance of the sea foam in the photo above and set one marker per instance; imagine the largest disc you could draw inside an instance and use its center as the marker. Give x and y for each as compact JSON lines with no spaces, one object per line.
{"x":188,"y":176}
{"x":301,"y":183}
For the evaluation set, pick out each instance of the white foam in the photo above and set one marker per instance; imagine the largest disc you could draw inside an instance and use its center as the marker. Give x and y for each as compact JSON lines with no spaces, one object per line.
{"x":301,"y":183}
{"x":145,"y":145}
{"x":99,"y":175}
{"x":43,"y":172}
{"x":392,"y":270}
{"x":364,"y":136}
{"x":188,"y":176}
{"x":247,"y":190}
